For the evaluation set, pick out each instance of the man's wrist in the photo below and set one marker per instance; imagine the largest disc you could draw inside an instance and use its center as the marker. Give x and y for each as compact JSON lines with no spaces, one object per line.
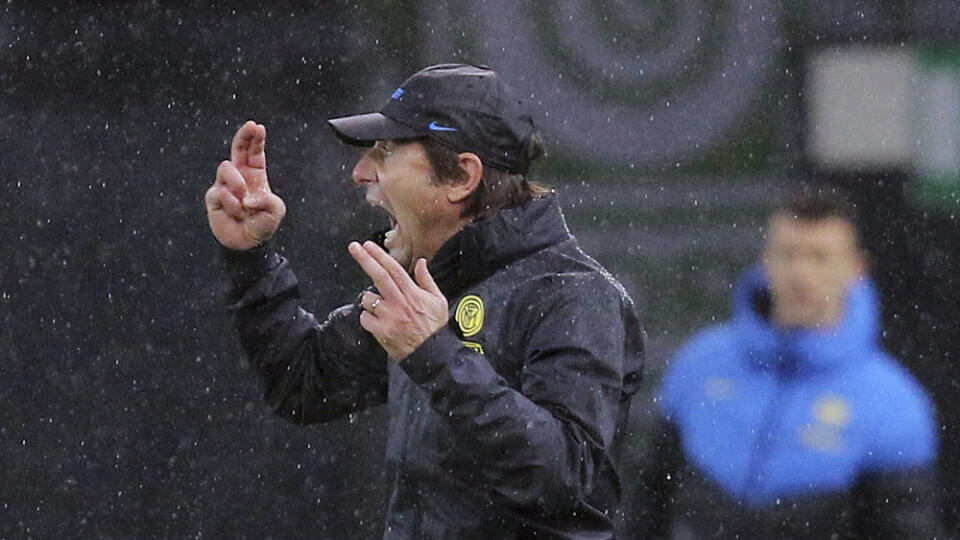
{"x":427,"y":360}
{"x":246,"y":266}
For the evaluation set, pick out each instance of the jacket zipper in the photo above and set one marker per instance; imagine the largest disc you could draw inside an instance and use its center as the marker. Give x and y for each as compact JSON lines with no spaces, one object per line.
{"x":766,"y":437}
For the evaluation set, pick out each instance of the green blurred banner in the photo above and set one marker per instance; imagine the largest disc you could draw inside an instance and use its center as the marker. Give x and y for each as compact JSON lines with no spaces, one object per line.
{"x":937,"y":127}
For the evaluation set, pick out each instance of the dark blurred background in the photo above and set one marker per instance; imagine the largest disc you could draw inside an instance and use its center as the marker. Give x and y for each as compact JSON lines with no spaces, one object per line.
{"x":126,"y":406}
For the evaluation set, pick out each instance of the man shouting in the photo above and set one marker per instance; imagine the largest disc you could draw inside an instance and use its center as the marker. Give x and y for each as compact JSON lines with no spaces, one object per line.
{"x":507,"y":356}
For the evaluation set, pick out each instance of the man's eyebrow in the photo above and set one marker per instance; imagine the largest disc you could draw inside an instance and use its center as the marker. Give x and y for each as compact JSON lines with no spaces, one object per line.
{"x":382,"y":149}
{"x":378,"y":152}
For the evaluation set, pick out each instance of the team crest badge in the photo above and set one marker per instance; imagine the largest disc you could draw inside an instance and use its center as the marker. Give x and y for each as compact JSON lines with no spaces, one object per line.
{"x":832,"y":410}
{"x":832,"y":413}
{"x":469,"y":315}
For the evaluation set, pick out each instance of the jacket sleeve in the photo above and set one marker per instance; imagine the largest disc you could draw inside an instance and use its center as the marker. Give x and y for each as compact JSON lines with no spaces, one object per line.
{"x":312,"y":371}
{"x":649,"y":507}
{"x":662,"y":477}
{"x":664,"y":464}
{"x":896,"y":493}
{"x":546,"y":443}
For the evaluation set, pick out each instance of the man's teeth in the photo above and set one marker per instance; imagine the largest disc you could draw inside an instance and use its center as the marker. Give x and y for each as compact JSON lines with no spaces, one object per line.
{"x":389,"y":237}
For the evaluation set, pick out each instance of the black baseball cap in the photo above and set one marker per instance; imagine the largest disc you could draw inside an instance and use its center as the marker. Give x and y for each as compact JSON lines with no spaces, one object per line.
{"x":467,"y":108}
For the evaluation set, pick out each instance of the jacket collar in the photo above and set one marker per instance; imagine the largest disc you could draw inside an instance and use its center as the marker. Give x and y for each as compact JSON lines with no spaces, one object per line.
{"x":491,"y":243}
{"x":791,"y":351}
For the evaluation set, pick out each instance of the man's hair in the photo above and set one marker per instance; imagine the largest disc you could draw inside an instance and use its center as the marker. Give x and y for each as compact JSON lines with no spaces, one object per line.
{"x":497,"y":189}
{"x":814,"y":202}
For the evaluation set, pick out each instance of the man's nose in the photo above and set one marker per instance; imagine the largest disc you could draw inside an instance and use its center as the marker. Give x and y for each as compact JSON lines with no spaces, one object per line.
{"x":803,"y":271}
{"x":363,"y":171}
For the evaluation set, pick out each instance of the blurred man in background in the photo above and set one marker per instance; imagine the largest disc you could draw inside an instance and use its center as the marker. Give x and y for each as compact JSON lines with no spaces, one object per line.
{"x":789,"y":421}
{"x":508,"y":356}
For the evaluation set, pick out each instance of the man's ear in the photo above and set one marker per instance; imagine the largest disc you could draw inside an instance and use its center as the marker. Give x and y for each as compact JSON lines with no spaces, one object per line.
{"x":472,"y":169}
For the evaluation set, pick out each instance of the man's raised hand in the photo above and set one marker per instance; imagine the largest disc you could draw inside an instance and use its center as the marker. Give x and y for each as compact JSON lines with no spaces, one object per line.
{"x":241,"y":209}
{"x":406,"y":312}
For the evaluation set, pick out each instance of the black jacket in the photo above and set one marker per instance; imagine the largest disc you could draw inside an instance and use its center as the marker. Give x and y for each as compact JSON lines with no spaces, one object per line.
{"x":505,"y":423}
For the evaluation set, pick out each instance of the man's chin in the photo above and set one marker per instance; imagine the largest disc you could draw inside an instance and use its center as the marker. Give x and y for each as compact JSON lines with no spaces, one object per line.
{"x":800,"y":319}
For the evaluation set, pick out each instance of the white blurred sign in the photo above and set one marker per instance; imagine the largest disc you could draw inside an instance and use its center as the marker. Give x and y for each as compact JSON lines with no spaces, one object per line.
{"x":875,"y":108}
{"x":857,"y":107}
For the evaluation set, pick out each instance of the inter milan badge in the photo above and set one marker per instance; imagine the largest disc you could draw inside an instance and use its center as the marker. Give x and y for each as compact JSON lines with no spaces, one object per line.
{"x":832,"y":414}
{"x":832,"y":410}
{"x":470,"y":315}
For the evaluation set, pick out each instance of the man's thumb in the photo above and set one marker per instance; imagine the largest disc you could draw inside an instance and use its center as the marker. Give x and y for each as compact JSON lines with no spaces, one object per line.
{"x":424,"y":279}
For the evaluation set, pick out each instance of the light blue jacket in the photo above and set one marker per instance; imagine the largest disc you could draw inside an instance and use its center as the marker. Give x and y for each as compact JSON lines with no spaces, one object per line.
{"x":767,"y":413}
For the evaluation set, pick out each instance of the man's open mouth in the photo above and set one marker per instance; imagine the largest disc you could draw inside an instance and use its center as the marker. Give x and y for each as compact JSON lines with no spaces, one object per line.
{"x":390,"y":238}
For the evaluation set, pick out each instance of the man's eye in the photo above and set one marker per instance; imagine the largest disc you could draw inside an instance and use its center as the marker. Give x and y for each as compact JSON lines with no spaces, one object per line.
{"x":383,"y":150}
{"x":378,"y":152}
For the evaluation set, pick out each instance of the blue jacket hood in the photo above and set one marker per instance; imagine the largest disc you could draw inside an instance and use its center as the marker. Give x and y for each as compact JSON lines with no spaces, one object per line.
{"x":804,"y":350}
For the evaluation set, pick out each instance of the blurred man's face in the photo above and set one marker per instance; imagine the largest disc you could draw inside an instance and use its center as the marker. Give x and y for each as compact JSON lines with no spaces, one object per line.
{"x":810,"y":265}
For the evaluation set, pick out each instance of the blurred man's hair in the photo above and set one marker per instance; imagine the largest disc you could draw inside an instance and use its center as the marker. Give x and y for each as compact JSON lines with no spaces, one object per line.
{"x":811,"y":202}
{"x":497,"y":188}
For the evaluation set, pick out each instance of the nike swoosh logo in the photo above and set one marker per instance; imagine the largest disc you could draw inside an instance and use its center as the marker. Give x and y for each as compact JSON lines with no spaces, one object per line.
{"x":436,"y":127}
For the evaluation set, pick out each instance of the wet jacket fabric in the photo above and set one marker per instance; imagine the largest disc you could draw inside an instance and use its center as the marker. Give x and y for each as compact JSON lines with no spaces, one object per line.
{"x":773,"y":433}
{"x":504,"y":424}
